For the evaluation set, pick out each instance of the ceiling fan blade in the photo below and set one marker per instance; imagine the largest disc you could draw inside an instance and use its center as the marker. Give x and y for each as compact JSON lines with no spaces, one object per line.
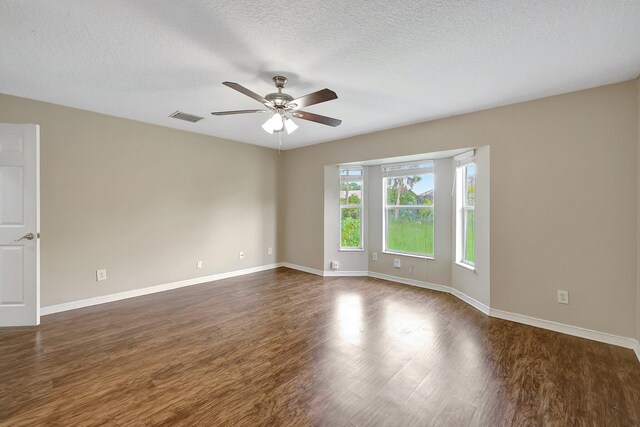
{"x":323,"y":95}
{"x":329,"y":121}
{"x":247,"y":92}
{"x":227,"y":113}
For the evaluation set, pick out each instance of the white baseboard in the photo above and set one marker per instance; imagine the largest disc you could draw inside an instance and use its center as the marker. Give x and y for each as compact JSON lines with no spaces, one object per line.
{"x":435,"y":287}
{"x":151,"y":290}
{"x":325,"y":273}
{"x":302,"y":268}
{"x":519,"y":318}
{"x":625,"y":342}
{"x":411,"y":282}
{"x":338,"y":273}
{"x":567,"y":329}
{"x":471,"y":301}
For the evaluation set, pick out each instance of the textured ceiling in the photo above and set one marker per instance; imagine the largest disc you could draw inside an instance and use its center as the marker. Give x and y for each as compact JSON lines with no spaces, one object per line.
{"x":391,"y":62}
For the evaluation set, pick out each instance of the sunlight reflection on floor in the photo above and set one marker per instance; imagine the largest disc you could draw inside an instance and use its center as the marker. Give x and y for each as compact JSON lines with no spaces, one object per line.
{"x":349,"y":316}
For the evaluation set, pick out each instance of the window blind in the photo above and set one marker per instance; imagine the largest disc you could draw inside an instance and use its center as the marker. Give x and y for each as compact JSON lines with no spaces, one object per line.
{"x":352,"y":174}
{"x":410,"y":168}
{"x":464,"y":158}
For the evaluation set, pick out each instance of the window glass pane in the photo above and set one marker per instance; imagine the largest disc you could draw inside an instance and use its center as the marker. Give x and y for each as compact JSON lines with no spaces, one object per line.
{"x":469,"y":236}
{"x":350,"y":226}
{"x":410,"y":230}
{"x":410,"y":190}
{"x":470,"y":184}
{"x":350,"y":193}
{"x":350,"y":172}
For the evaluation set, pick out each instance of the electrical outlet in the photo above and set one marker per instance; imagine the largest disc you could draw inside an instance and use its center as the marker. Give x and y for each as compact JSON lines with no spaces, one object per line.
{"x":374,"y":256}
{"x":101,"y":275}
{"x":563,"y":297}
{"x":241,"y":255}
{"x":270,"y":251}
{"x":334,"y":265}
{"x":396,"y":263}
{"x":199,"y":264}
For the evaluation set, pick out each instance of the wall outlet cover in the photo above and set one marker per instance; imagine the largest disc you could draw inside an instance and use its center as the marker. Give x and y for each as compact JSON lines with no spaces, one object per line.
{"x":374,"y":256}
{"x":270,"y":251}
{"x":101,"y":275}
{"x":199,"y":264}
{"x":563,"y":297}
{"x":241,"y":255}
{"x":334,"y":265}
{"x":396,"y":263}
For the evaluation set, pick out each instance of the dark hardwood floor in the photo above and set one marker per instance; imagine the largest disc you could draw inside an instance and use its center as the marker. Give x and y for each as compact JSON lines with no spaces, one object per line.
{"x":284,"y":348}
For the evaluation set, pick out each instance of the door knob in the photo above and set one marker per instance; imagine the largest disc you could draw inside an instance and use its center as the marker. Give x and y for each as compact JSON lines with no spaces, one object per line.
{"x":28,"y":236}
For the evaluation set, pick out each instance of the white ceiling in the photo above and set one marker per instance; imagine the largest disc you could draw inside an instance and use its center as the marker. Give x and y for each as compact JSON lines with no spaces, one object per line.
{"x":391,"y":62}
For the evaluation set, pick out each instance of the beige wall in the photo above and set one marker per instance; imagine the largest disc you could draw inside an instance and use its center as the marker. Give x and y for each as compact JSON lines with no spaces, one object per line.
{"x":563,"y":200}
{"x":143,"y":201}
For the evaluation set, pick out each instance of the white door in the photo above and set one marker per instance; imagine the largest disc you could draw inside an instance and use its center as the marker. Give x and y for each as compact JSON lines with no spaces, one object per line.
{"x":19,"y":225}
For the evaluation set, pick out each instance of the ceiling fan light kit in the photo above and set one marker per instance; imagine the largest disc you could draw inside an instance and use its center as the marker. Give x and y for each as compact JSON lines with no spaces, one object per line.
{"x":290,"y":125}
{"x":274,"y":124}
{"x":284,"y":106}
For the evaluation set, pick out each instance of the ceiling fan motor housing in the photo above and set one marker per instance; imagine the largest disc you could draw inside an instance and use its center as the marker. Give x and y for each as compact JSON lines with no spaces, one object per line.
{"x":279,"y":99}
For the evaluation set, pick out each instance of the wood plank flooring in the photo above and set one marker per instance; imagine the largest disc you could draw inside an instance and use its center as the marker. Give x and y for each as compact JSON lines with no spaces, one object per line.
{"x":285,"y":348}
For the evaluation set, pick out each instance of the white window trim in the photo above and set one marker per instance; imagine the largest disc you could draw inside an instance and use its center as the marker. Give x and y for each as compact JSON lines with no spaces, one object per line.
{"x":360,"y":206}
{"x":421,"y":171}
{"x":464,"y":265}
{"x":461,"y":209}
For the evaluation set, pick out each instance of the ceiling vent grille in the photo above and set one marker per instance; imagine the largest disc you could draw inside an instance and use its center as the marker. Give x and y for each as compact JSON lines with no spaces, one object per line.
{"x":186,"y":117}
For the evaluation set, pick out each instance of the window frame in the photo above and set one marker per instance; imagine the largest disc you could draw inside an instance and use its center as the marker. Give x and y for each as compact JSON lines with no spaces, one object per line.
{"x":462,"y":211}
{"x":349,"y":206}
{"x":386,"y":207}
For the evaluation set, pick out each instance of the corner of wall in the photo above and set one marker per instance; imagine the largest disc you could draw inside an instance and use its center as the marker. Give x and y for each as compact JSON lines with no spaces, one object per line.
{"x":477,"y":283}
{"x":638,"y":215}
{"x":281,"y":198}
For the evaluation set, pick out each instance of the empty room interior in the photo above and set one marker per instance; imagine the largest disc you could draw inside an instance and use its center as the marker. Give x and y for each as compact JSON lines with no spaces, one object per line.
{"x":320,"y":213}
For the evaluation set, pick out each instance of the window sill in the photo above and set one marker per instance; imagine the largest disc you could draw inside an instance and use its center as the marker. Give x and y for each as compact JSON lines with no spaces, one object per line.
{"x":467,"y":266}
{"x":351,"y":250}
{"x":409,"y":255}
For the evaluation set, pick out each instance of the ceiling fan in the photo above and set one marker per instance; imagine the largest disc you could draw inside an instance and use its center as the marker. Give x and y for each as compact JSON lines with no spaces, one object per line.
{"x":284,"y":106}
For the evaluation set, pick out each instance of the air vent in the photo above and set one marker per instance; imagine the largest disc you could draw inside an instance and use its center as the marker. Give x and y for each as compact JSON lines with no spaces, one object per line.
{"x":186,"y":117}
